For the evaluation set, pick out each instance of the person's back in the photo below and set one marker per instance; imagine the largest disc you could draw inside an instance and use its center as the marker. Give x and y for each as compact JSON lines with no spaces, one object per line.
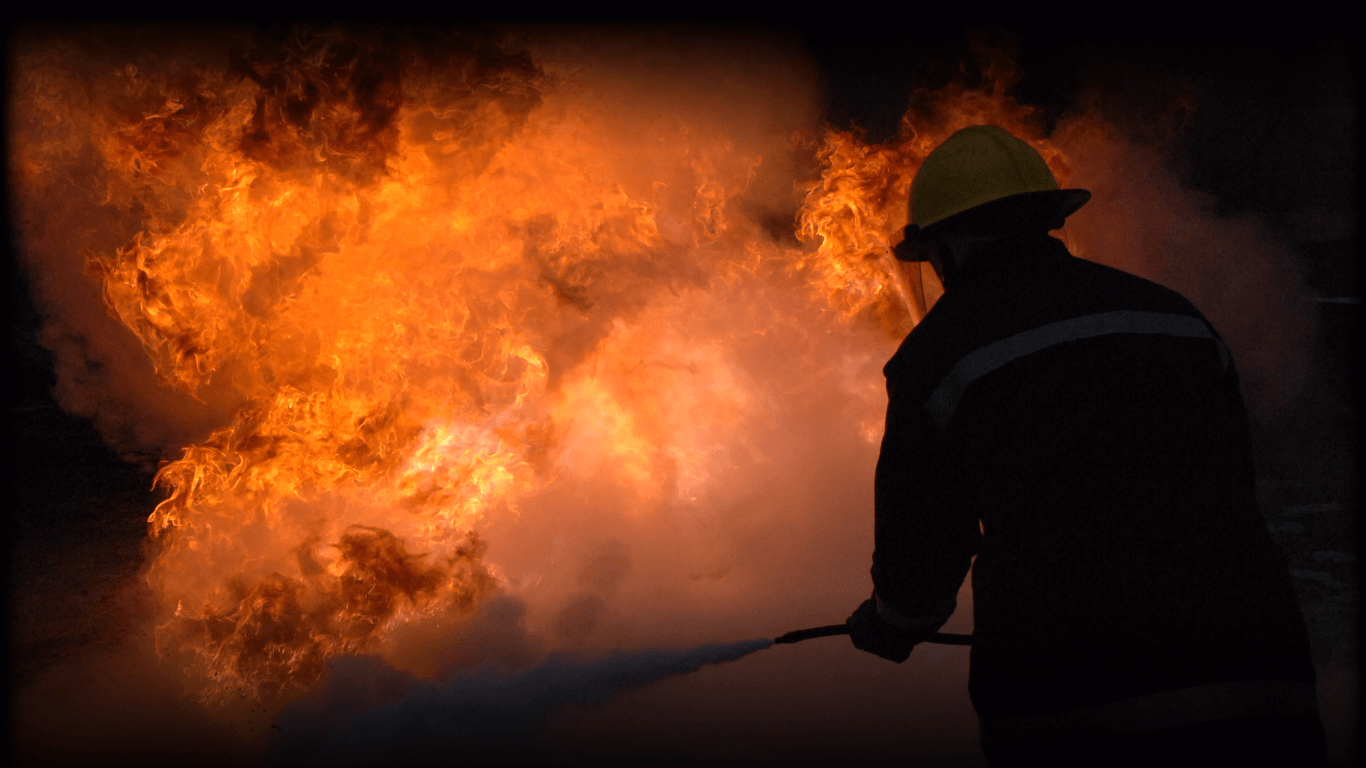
{"x":1129,"y":603}
{"x":1093,"y":423}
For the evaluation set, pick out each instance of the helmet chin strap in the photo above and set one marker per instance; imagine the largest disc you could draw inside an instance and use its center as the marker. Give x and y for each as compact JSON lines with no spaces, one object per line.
{"x":942,"y":269}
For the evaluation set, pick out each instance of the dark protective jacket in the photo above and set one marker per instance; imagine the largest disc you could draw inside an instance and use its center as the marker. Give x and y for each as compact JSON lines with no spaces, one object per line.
{"x":1081,"y":432}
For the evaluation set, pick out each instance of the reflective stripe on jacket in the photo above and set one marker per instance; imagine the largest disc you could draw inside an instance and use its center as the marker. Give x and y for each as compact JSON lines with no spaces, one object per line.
{"x":981,"y":362}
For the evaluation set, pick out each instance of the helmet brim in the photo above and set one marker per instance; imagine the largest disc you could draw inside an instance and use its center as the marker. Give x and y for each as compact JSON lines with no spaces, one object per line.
{"x":1071,"y":200}
{"x":1026,"y":212}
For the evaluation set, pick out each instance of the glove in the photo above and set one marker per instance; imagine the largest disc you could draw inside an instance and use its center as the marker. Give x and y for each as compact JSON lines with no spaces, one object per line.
{"x":870,"y":632}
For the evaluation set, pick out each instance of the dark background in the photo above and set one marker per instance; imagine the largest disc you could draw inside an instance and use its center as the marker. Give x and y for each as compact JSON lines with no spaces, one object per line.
{"x":1268,"y":125}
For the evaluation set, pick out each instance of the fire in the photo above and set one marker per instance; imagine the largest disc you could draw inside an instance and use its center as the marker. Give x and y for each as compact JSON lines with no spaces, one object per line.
{"x":860,"y":203}
{"x":434,"y":279}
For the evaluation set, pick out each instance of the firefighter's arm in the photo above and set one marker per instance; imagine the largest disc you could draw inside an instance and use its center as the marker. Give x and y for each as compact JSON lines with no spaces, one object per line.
{"x":926,"y":534}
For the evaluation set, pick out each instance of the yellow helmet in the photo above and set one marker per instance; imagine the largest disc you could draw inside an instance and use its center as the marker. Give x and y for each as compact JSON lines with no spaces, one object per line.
{"x":982,"y":164}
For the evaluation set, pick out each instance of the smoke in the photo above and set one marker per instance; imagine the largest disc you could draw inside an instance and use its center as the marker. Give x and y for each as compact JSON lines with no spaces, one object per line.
{"x":1195,"y":188}
{"x":1238,"y":270}
{"x":369,"y":713}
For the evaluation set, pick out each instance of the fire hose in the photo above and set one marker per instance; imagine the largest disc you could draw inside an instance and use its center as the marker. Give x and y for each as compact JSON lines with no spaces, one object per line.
{"x":796,"y":636}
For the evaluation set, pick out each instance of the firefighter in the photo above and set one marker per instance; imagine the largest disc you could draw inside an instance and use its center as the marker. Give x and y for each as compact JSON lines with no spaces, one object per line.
{"x":1081,"y":433}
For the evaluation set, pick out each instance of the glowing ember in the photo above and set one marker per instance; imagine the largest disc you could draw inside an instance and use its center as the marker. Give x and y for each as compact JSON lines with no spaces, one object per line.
{"x":434,"y":278}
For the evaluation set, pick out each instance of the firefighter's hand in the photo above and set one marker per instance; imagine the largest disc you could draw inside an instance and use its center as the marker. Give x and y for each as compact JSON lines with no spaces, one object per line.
{"x":871,"y":633}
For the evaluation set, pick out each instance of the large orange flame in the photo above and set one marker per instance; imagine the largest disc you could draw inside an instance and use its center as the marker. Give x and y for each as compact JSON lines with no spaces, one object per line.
{"x":421,"y":270}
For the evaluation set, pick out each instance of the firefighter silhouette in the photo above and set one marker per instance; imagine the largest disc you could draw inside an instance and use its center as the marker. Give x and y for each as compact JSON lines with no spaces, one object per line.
{"x":1081,"y":432}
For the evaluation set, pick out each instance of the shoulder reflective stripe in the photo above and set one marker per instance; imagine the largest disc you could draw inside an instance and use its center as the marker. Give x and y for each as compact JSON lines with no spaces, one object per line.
{"x":1168,"y":709}
{"x":944,"y":400}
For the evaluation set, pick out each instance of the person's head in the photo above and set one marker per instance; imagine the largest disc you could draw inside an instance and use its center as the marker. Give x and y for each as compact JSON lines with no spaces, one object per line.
{"x":978,"y":188}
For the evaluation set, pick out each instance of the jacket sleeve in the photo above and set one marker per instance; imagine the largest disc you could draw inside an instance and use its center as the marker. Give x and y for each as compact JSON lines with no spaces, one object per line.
{"x":926,"y":530}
